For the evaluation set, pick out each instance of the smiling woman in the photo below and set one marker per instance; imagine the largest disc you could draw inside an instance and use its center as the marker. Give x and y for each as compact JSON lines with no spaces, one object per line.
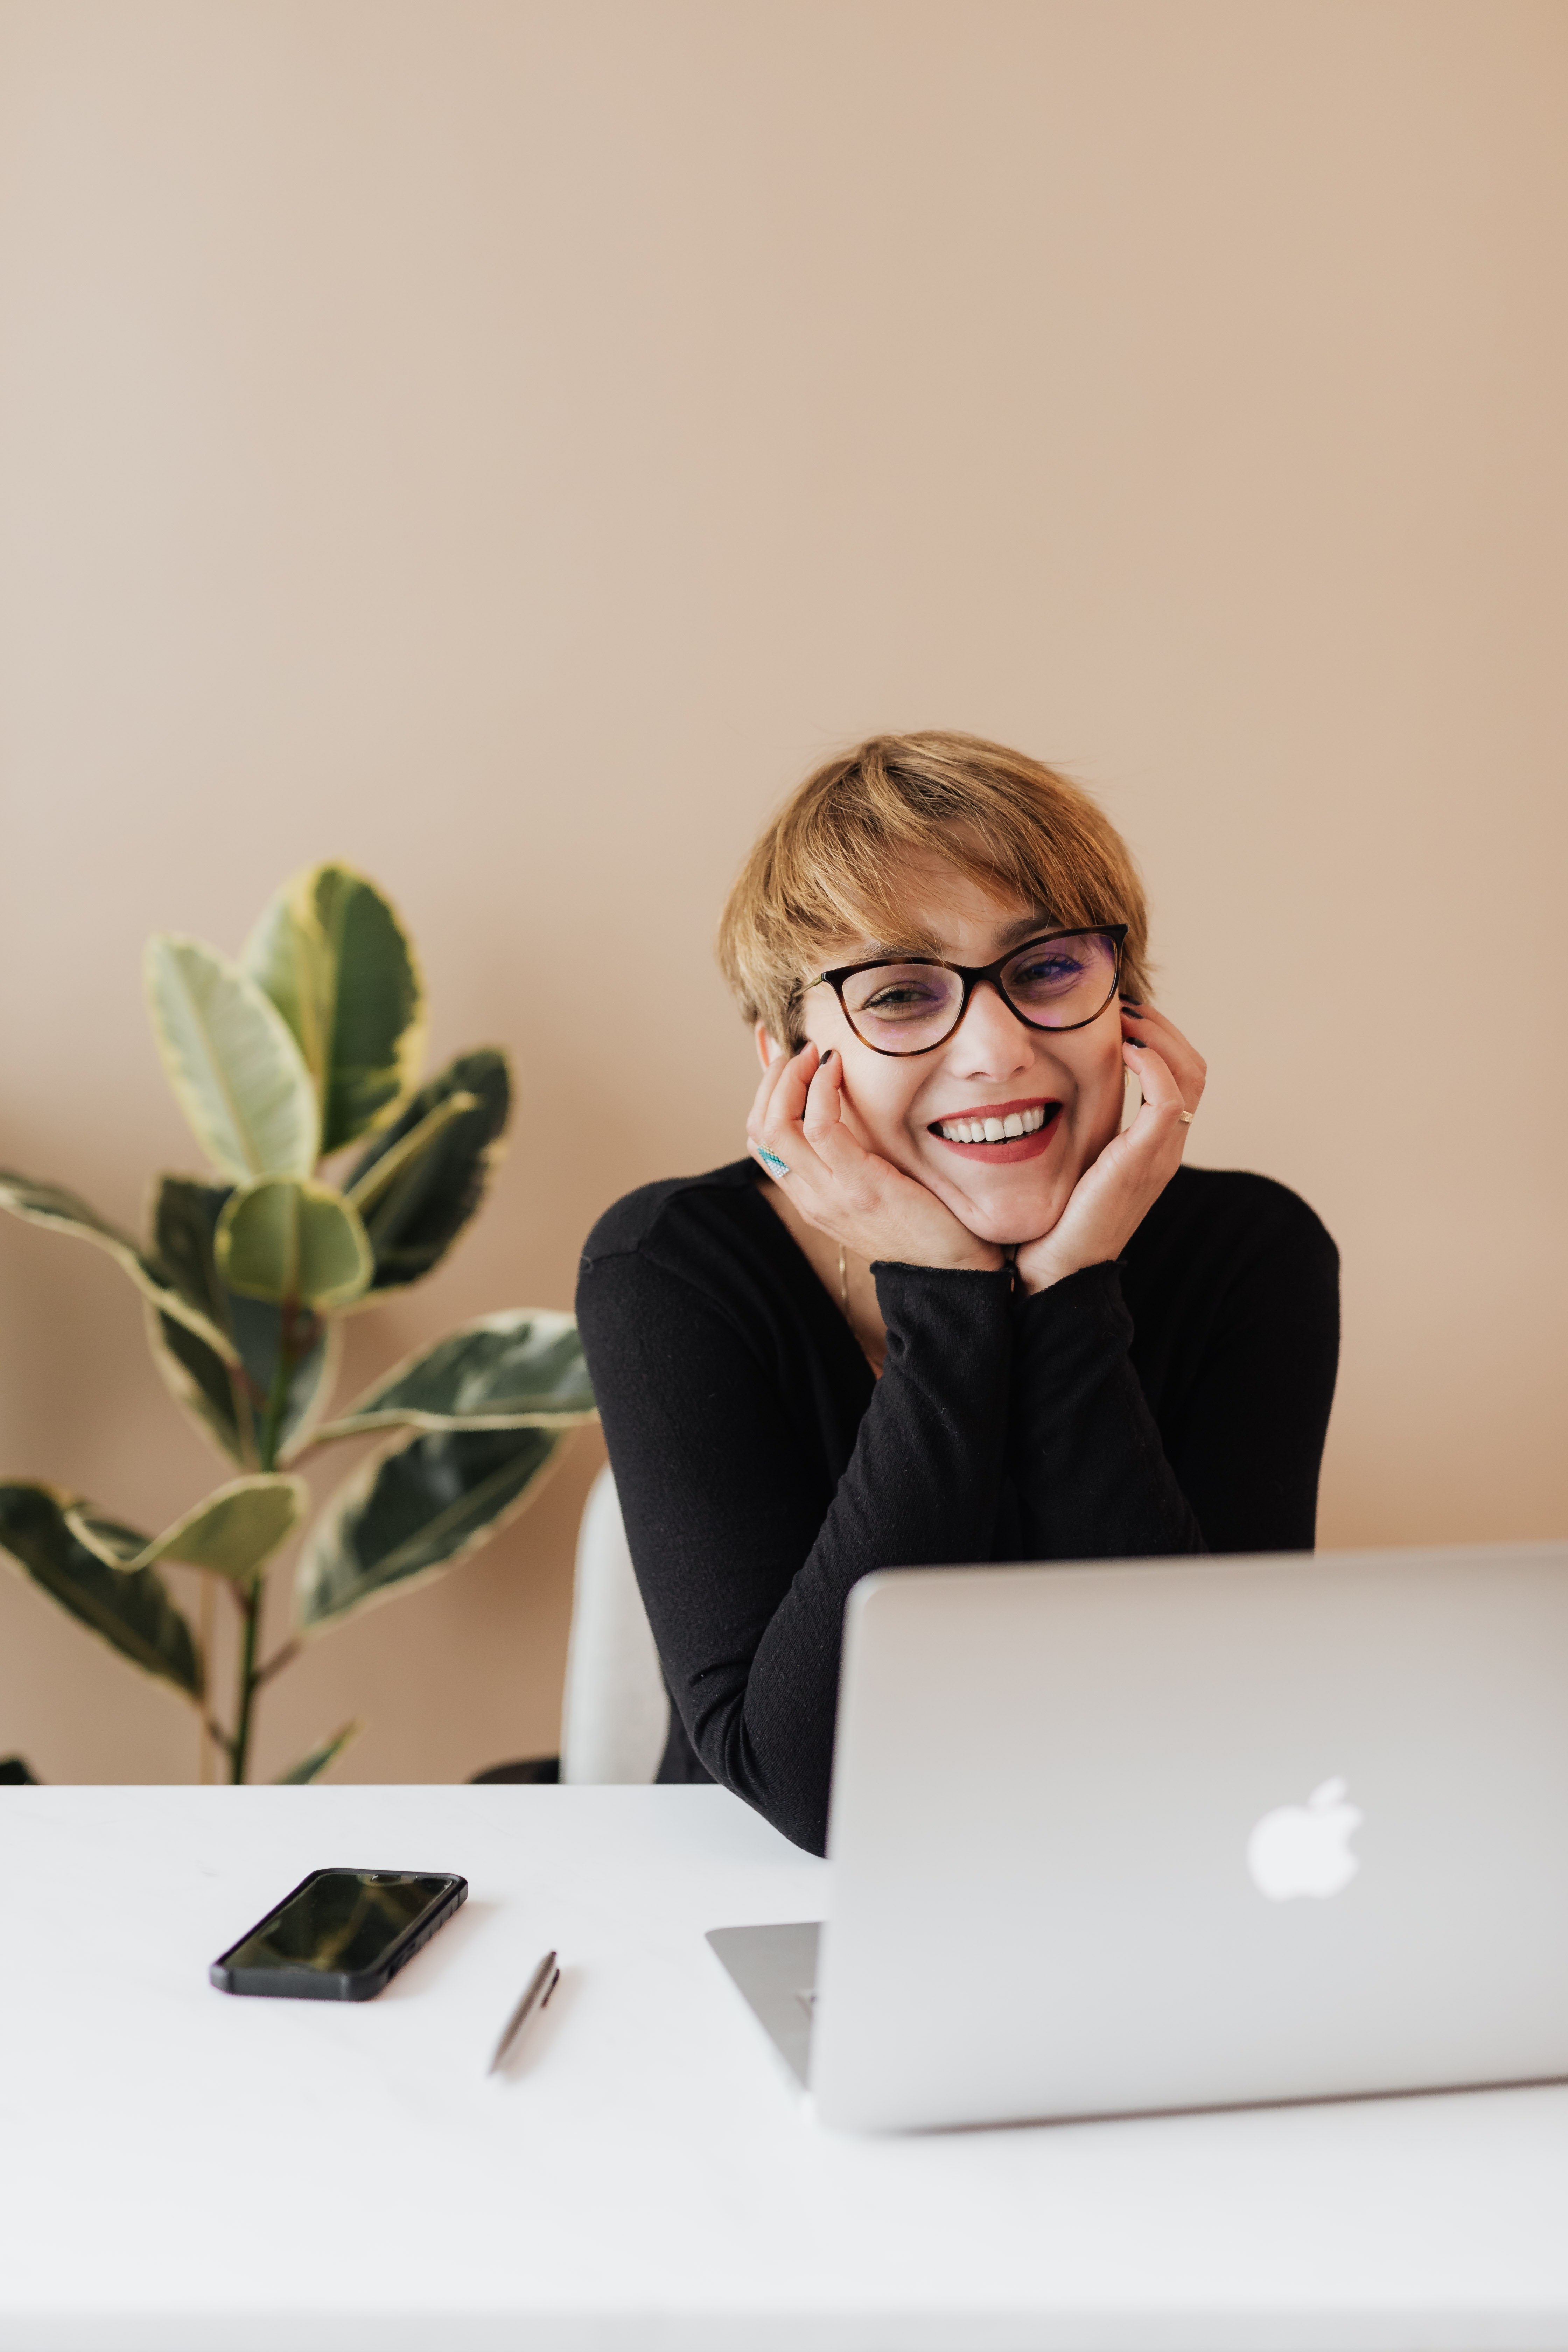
{"x":968,"y":1313}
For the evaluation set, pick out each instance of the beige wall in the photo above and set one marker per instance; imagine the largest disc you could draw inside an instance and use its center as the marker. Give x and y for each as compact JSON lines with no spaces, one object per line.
{"x":503,"y":445}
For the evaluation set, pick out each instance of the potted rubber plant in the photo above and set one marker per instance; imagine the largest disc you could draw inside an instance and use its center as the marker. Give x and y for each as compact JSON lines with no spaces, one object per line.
{"x":307,"y":1047}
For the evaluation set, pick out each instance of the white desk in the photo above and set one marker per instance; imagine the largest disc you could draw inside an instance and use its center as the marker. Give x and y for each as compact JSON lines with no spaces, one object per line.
{"x":185,"y":2172}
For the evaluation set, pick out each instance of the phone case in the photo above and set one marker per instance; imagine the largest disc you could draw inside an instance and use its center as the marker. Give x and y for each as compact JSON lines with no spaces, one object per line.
{"x":333,"y":1984}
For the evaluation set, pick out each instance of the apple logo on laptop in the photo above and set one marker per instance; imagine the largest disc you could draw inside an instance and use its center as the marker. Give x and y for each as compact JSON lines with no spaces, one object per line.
{"x":1305,"y":1849}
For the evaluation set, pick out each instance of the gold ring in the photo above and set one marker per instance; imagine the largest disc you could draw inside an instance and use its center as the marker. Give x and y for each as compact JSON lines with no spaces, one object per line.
{"x":1184,"y":1118}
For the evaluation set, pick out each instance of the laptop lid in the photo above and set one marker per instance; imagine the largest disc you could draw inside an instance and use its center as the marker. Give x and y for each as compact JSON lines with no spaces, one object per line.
{"x":1171,"y":1833}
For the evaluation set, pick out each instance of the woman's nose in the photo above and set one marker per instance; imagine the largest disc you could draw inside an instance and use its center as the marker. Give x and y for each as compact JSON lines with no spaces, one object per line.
{"x":991,"y":1039}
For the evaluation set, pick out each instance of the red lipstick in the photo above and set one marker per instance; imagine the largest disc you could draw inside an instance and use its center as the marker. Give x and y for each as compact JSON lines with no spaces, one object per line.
{"x":1014,"y":1147}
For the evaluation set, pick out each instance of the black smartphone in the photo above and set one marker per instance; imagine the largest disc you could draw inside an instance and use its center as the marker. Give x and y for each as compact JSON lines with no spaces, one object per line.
{"x":341,"y":1935}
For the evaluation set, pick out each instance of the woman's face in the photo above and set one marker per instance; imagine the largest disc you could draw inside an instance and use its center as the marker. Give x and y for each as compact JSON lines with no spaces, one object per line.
{"x":993,"y":1063}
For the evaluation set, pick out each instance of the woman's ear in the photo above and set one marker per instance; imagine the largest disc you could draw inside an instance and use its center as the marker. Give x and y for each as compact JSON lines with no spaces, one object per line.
{"x":768,"y":1049}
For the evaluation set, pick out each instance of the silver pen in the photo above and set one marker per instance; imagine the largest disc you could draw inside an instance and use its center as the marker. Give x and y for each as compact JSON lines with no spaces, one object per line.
{"x":537,"y":1992}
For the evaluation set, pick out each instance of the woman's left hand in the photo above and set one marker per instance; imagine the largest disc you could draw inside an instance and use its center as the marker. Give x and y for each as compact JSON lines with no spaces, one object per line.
{"x":1116,"y":1192}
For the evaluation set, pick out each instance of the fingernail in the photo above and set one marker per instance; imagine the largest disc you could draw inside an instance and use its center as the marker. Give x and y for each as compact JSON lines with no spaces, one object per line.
{"x":1135,"y":1041}
{"x":1132,"y":1005}
{"x":827,"y":1057}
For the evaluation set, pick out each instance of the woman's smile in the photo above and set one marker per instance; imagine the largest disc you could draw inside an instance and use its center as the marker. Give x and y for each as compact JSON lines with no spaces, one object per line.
{"x":1002,"y":1132}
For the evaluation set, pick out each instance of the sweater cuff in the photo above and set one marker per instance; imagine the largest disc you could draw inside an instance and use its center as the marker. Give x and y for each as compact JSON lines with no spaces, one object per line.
{"x":1083,"y":1315}
{"x":950,"y":1304}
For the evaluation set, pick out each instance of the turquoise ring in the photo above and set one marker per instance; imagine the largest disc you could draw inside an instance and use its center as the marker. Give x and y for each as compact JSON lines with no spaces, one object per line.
{"x":770,"y":1162}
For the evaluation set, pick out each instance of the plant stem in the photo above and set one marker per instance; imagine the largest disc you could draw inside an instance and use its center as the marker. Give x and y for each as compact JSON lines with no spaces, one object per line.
{"x":278,"y":1395}
{"x":251,"y":1604}
{"x":270,"y":1666}
{"x":250,"y":1601}
{"x":217,"y":1735}
{"x":206,"y":1751}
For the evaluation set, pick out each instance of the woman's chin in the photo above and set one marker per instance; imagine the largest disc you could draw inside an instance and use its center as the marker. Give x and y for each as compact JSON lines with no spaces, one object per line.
{"x":1006,"y":1213}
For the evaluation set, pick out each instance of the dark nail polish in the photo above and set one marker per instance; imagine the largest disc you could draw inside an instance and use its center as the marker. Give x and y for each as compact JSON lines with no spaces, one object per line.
{"x":1131,"y":1004}
{"x":1135,"y":1041}
{"x":827,"y":1057}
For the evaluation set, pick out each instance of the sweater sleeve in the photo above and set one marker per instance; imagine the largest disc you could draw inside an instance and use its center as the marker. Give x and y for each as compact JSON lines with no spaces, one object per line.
{"x":1231,"y":1464}
{"x":744,"y":1577}
{"x":1087,"y":1457}
{"x":1249,"y":1440}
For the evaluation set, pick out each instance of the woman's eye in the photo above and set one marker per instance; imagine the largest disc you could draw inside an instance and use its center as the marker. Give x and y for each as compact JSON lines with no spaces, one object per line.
{"x":1047,"y":971}
{"x":903,"y":998}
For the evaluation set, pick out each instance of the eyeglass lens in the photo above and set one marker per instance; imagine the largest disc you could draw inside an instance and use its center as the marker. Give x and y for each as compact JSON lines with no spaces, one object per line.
{"x":906,"y":1008}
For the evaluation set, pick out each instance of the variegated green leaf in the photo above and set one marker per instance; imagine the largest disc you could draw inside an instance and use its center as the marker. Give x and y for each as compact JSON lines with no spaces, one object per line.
{"x":41,"y":1203}
{"x":200,"y":1382}
{"x":228,"y":1405}
{"x":281,"y":1241}
{"x":233,"y":1532}
{"x":411,"y":1144}
{"x":421,"y":1182}
{"x":233,"y":1063}
{"x":131,"y":1612}
{"x":287,"y":957}
{"x":260,"y":1330}
{"x":212,"y":1388}
{"x":312,"y":1765}
{"x":183,"y":1219}
{"x":411,"y":1511}
{"x":523,"y":1367}
{"x":333,"y":958}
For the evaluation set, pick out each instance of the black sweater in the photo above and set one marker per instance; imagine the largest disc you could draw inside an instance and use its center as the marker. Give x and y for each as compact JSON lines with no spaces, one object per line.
{"x":1173,"y":1403}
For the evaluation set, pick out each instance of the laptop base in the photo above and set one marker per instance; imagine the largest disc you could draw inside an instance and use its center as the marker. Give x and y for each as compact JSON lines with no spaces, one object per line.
{"x":774,"y":1970}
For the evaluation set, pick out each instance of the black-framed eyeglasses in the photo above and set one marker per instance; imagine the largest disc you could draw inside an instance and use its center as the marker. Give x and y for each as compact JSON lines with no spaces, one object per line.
{"x":911,"y":1004}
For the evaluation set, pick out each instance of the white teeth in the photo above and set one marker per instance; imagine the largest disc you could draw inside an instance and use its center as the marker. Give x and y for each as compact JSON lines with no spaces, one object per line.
{"x":994,"y":1130}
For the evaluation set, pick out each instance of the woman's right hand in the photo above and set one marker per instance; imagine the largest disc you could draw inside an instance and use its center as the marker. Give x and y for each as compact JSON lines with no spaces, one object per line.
{"x":838,"y":1186}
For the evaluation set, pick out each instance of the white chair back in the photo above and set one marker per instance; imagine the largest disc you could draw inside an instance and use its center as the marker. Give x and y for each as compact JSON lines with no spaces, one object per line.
{"x":614,"y":1719}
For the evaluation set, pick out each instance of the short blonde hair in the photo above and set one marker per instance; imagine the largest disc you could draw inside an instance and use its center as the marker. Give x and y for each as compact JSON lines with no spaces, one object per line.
{"x":833,"y":862}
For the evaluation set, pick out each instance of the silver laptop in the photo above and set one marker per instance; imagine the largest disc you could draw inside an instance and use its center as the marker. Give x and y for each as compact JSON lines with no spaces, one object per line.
{"x":1153,"y":1834}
